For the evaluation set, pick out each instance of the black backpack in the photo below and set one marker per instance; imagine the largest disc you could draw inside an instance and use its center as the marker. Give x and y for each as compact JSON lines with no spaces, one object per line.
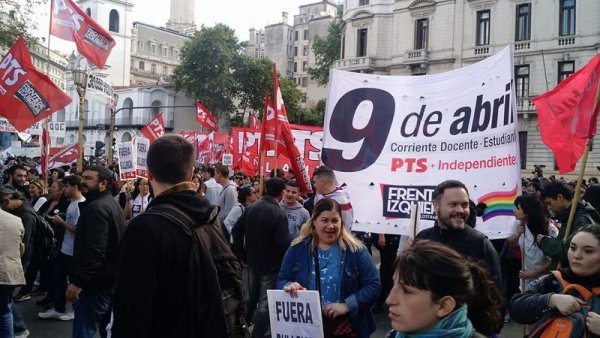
{"x":45,"y":242}
{"x":211,"y":242}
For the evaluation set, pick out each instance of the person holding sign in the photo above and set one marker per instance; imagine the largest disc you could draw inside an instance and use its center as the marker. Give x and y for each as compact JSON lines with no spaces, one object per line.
{"x":327,"y":258}
{"x":137,"y":201}
{"x":433,"y":288}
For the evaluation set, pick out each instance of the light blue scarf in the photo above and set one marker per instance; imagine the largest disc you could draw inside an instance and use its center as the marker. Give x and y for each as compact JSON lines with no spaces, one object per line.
{"x":456,"y":325}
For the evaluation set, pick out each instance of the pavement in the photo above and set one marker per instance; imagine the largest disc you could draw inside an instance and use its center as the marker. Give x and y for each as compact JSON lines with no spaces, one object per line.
{"x":48,"y":328}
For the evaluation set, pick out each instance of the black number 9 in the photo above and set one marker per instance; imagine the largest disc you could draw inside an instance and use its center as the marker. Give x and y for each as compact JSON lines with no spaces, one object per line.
{"x":374,"y":135}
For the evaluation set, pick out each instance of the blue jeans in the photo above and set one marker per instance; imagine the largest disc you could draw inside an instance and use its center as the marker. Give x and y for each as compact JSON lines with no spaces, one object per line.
{"x":18,"y":321}
{"x":258,"y":284}
{"x":6,"y":317}
{"x":90,"y":311}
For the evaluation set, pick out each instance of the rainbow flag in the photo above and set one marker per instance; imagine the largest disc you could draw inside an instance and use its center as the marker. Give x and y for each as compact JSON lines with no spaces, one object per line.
{"x":499,"y":203}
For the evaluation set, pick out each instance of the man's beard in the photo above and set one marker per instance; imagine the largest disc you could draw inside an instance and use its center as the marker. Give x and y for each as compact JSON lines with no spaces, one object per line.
{"x":90,"y":191}
{"x":446,"y":223}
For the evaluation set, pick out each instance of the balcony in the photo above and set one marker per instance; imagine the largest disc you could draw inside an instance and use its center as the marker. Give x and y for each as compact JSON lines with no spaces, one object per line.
{"x":522,"y":45}
{"x":362,"y":63}
{"x":149,"y":75}
{"x":525,"y":105}
{"x":417,"y":57}
{"x":566,"y":40}
{"x":481,"y":51}
{"x":124,"y":122}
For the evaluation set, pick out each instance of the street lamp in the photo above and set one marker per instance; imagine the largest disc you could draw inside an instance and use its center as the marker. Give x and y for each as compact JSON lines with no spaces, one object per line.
{"x":80,"y":77}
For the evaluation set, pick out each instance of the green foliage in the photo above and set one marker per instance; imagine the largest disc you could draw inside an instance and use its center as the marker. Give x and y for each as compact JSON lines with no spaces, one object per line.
{"x":327,"y":51}
{"x":16,"y":19}
{"x":207,"y":64}
{"x":254,"y":77}
{"x":313,"y":116}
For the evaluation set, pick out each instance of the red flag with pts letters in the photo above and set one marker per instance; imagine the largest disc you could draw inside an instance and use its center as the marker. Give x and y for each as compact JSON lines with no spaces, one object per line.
{"x":154,"y":129}
{"x":26,"y":95}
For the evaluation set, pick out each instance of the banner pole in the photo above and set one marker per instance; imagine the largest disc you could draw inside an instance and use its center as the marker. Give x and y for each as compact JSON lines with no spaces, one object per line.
{"x":46,"y":130}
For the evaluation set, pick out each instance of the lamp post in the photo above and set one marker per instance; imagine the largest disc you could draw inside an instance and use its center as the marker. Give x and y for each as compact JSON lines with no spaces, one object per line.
{"x":111,"y":131}
{"x":80,"y":77}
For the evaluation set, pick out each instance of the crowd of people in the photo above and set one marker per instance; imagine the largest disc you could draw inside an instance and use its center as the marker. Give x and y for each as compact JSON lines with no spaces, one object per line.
{"x":191,"y":250}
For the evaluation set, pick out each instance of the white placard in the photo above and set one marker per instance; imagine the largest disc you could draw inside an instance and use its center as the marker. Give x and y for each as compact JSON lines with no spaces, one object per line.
{"x":56,"y":129}
{"x":392,"y":139}
{"x":127,"y":164}
{"x":142,"y":145}
{"x":295,"y":317}
{"x":228,"y":159}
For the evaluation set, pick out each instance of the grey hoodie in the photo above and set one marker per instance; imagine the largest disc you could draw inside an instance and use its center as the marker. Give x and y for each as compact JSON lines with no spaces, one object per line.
{"x":296,"y":216}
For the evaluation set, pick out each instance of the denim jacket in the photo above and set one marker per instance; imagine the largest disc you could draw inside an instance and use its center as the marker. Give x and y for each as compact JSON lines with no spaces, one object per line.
{"x":360,"y":284}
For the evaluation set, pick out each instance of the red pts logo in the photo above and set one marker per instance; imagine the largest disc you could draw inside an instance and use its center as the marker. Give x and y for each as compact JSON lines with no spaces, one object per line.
{"x":409,"y":165}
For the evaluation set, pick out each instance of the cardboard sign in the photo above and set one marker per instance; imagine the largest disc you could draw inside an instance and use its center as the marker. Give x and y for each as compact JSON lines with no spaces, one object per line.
{"x":127,"y":163}
{"x":295,"y":317}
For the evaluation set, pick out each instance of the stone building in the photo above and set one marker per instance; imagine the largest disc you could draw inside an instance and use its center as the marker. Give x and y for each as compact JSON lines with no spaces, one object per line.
{"x":551,"y":39}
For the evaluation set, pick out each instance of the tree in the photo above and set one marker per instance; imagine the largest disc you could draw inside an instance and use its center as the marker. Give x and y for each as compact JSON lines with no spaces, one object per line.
{"x":293,"y":98}
{"x":254,"y":77}
{"x":16,"y":19}
{"x":327,"y":51}
{"x":207,"y":64}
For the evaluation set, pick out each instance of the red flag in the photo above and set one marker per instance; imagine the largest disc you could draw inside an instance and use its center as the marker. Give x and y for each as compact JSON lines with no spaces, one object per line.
{"x":64,"y":157}
{"x":71,"y":23}
{"x":285,"y":133}
{"x":205,"y":150}
{"x":205,"y":118}
{"x":154,"y":129}
{"x":568,"y":115}
{"x":45,"y":149}
{"x":26,"y":95}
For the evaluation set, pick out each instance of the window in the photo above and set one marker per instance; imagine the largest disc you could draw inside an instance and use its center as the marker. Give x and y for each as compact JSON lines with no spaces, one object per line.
{"x":295,"y":67}
{"x":565,"y":68}
{"x":153,"y":69}
{"x":306,"y":34}
{"x":567,"y":17}
{"x":363,"y":2}
{"x":165,"y":51}
{"x":113,"y":21}
{"x":523,"y":148}
{"x":305,"y":50}
{"x":421,"y":28}
{"x":175,"y":54}
{"x":483,"y":28}
{"x":295,"y":50}
{"x":304,"y":66}
{"x":295,"y":35}
{"x":523,"y":29}
{"x":522,"y":81}
{"x":88,"y":11}
{"x":343,"y":46}
{"x":305,"y":82}
{"x":165,"y":70}
{"x":142,"y":65}
{"x":153,"y":48}
{"x":140,"y":46}
{"x":361,"y":46}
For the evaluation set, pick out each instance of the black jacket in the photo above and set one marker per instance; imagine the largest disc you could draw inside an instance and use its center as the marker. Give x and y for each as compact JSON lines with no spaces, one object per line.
{"x":28,"y":217}
{"x":470,"y":243}
{"x":529,"y":307}
{"x":100,"y":227}
{"x":152,"y":296}
{"x":260,"y":236}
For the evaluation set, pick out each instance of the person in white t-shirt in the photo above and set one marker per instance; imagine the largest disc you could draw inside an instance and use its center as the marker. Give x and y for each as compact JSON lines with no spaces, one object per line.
{"x":213,"y":188}
{"x":71,"y":191}
{"x":137,"y":201}
{"x":532,"y":220}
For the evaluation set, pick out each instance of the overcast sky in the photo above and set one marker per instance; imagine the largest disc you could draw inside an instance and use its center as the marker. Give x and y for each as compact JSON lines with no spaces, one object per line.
{"x":241,"y":15}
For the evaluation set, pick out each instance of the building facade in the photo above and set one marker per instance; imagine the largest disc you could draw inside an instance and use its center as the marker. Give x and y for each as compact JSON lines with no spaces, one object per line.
{"x":290,"y":46}
{"x":155,"y":53}
{"x":116,"y":17}
{"x":551,"y":39}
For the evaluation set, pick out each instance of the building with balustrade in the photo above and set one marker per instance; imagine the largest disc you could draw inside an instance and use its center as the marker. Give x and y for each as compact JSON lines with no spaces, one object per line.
{"x":551,"y":39}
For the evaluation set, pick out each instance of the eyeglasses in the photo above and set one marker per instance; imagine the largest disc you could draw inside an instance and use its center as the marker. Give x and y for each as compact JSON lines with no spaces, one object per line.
{"x":239,"y":178}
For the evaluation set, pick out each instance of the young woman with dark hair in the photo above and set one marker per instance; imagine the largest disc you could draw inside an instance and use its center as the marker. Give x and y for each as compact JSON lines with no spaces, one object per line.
{"x":545,"y":293}
{"x":437,"y":293}
{"x":532,"y":220}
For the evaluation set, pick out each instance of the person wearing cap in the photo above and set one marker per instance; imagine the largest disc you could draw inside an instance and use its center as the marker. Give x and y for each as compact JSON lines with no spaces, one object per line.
{"x":13,"y":202}
{"x":260,"y":240}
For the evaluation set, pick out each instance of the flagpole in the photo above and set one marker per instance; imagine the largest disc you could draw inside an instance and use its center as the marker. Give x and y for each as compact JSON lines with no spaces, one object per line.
{"x":261,"y":149}
{"x":46,"y":144}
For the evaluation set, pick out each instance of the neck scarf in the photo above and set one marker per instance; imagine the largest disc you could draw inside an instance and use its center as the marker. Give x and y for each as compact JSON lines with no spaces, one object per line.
{"x":456,"y":325}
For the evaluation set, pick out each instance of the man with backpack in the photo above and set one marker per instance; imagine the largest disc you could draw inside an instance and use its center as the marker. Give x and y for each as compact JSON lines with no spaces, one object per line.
{"x":169,"y":283}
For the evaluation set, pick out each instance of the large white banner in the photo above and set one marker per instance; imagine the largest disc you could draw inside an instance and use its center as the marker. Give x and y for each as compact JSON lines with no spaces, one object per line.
{"x":295,"y":317}
{"x":392,"y":139}
{"x":56,"y":129}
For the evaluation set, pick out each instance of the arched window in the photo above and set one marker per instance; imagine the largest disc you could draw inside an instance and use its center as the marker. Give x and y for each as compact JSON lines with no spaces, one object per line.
{"x":88,"y":11}
{"x":113,"y":21}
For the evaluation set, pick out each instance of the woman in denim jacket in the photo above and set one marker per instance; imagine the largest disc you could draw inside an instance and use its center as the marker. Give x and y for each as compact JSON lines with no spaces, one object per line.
{"x":349,"y":281}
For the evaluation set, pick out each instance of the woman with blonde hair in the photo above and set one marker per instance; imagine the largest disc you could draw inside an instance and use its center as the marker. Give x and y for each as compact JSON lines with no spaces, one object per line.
{"x":38,"y":194}
{"x":327,"y":258}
